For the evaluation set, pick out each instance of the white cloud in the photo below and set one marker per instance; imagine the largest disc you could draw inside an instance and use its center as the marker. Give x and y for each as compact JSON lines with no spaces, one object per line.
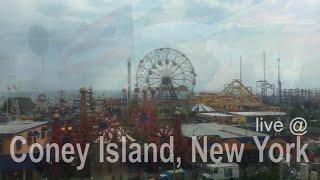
{"x":97,"y":36}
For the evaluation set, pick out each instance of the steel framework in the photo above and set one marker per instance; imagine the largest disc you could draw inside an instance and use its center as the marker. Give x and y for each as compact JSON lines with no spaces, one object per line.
{"x":167,"y":74}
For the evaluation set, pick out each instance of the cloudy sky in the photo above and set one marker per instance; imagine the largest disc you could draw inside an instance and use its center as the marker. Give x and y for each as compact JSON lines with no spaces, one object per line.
{"x":87,"y":42}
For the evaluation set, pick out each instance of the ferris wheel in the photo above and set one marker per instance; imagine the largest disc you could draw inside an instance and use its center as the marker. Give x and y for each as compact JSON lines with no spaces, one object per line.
{"x":166,"y":73}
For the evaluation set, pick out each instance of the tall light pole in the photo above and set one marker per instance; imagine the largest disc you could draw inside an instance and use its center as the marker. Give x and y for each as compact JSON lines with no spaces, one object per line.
{"x":279,"y":84}
{"x":264,"y":74}
{"x":129,"y":81}
{"x":240,"y":69}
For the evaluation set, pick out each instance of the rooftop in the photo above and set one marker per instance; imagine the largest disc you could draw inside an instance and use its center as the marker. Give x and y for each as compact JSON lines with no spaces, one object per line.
{"x":202,"y":108}
{"x":214,"y":129}
{"x":14,"y":127}
{"x":223,"y":165}
{"x":260,"y":113}
{"x":216,"y":114}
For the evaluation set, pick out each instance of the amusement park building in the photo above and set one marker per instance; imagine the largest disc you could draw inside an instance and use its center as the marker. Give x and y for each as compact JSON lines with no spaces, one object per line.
{"x":241,"y":117}
{"x":33,"y":132}
{"x":227,"y":134}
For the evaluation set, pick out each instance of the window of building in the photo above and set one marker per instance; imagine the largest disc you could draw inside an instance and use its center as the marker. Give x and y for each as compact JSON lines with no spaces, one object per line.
{"x":49,"y":133}
{"x":43,"y":132}
{"x":36,"y":135}
{"x":215,"y":170}
{"x":228,"y":172}
{"x":1,"y":145}
{"x":18,"y":145}
{"x":29,"y":138}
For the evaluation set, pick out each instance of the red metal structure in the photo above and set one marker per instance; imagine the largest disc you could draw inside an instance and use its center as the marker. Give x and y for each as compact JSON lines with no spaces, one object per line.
{"x":83,"y":126}
{"x":66,"y":131}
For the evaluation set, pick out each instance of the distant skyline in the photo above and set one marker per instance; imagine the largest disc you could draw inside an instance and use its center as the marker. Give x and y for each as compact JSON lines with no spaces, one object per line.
{"x":87,"y":42}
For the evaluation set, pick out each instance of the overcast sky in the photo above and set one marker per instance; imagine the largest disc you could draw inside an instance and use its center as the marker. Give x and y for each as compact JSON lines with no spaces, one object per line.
{"x":90,"y":40}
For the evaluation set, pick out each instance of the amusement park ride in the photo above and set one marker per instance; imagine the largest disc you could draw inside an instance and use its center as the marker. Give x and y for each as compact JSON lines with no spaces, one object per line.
{"x":15,"y":109}
{"x":154,"y":112}
{"x":165,"y":80}
{"x":167,"y":77}
{"x":235,"y":97}
{"x":41,"y":104}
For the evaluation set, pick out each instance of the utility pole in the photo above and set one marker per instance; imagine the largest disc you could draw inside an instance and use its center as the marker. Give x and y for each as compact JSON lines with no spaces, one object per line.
{"x":240,"y":69}
{"x":279,"y":83}
{"x":264,"y":75}
{"x":264,"y":66}
{"x":8,"y":101}
{"x":129,"y":81}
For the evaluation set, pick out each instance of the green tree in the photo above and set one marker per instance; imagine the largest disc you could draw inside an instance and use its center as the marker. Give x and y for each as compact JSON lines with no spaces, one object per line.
{"x":25,"y":103}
